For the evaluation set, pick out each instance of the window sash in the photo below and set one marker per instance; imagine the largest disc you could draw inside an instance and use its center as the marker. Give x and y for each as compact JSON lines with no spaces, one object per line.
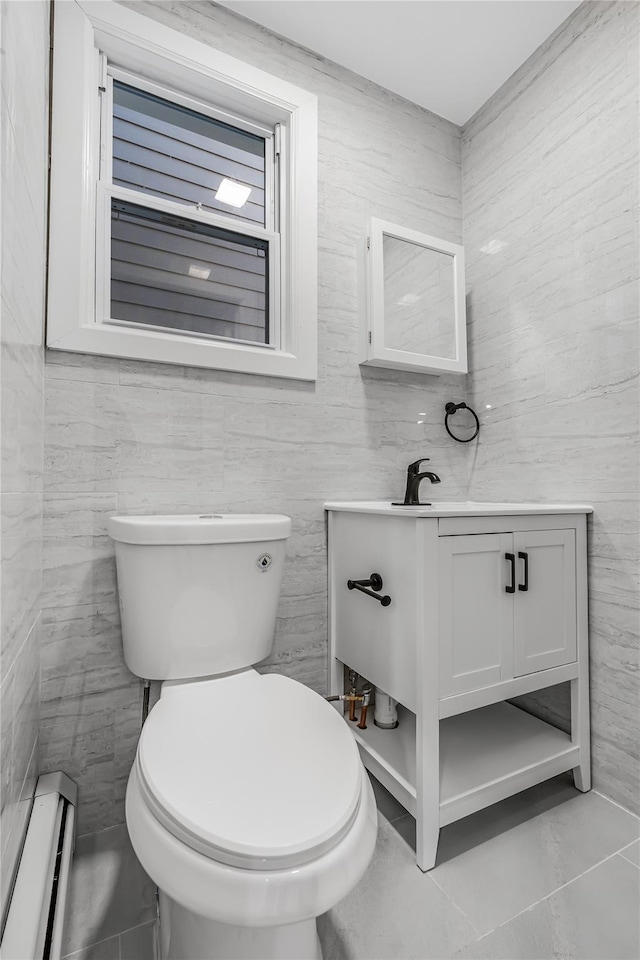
{"x":105,"y":195}
{"x":162,"y":276}
{"x":269,"y":134}
{"x":152,"y":154}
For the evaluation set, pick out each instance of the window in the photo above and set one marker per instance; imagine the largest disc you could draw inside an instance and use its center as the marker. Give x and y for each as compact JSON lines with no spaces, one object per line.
{"x":183,"y":201}
{"x":188,"y":234}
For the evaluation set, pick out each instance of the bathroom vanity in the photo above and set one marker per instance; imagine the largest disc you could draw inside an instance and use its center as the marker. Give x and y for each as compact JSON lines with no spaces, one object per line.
{"x":487,"y":602}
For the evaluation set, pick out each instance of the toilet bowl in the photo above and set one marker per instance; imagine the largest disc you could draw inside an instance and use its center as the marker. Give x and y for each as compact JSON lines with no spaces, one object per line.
{"x":248,"y":806}
{"x":247,"y":803}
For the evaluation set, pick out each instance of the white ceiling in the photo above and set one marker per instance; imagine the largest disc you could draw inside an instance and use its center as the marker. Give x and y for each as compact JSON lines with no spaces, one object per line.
{"x":446,"y":55}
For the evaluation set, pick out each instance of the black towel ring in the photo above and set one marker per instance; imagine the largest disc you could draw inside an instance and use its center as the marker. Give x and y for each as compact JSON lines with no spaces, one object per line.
{"x":450,"y":409}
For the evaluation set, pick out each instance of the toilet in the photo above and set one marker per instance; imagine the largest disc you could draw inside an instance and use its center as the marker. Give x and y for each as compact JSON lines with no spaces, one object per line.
{"x":247,"y":803}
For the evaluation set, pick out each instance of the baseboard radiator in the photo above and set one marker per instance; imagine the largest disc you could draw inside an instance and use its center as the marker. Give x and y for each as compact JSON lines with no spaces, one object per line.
{"x":35,"y":917}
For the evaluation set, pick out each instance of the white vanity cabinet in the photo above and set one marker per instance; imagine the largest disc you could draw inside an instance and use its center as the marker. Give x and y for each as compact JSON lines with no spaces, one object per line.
{"x":488,"y":601}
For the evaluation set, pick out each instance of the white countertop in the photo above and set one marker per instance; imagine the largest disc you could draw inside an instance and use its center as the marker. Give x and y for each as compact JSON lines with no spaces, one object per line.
{"x":468,"y":508}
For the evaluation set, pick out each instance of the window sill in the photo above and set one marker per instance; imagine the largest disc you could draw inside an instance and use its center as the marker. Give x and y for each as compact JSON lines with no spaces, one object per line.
{"x":114,"y":341}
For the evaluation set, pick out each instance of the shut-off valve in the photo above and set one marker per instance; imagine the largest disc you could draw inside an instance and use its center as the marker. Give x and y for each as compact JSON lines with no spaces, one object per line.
{"x":353,"y":698}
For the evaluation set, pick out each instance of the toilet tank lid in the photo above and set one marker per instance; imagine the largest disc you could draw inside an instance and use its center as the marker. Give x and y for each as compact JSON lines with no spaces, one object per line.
{"x":200,"y":528}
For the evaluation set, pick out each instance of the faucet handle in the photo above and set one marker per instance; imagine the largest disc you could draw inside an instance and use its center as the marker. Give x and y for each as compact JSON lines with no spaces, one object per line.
{"x":415,"y":466}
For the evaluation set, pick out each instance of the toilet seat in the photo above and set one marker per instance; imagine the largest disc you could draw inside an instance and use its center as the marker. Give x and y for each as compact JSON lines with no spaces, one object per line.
{"x":253,"y":898}
{"x":251,"y":770}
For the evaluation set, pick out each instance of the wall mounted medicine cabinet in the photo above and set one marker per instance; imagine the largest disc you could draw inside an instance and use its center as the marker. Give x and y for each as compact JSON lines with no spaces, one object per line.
{"x":488,"y":602}
{"x":415,"y":301}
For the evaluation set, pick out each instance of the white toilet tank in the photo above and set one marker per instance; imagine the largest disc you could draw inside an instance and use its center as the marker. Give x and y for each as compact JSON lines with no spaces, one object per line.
{"x":198,"y":594}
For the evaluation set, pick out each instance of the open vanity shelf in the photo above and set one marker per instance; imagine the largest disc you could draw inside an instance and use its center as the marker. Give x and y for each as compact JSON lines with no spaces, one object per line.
{"x":487,"y":602}
{"x":391,"y":758}
{"x":485,"y":756}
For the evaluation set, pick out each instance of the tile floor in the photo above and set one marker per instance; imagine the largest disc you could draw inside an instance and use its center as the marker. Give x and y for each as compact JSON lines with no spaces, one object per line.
{"x":550,"y":873}
{"x":111,"y":906}
{"x":545,"y":874}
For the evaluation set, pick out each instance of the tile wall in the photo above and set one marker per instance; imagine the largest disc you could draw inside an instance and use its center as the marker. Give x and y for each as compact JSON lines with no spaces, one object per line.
{"x":24,"y":107}
{"x":550,"y":169}
{"x":550,"y":183}
{"x":128,"y":436}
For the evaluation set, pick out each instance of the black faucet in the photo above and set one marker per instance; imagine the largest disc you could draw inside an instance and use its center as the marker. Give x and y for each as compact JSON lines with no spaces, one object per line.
{"x":414,"y":476}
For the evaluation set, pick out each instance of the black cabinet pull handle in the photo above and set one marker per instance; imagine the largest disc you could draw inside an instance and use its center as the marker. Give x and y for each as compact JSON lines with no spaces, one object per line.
{"x":524,"y":586}
{"x":511,"y":588}
{"x":375,"y":581}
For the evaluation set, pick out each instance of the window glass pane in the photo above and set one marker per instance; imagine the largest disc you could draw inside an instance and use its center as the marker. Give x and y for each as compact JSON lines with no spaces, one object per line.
{"x":177,"y":154}
{"x":172,"y":272}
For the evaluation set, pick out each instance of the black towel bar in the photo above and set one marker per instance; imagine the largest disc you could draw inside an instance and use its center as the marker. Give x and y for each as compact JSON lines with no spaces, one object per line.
{"x":375,"y":581}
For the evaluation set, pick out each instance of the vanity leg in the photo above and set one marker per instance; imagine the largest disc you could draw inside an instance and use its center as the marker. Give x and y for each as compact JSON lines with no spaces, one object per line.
{"x":581,"y":779}
{"x":428,"y":713}
{"x":427,"y":783}
{"x":580,"y":720}
{"x":426,"y":845}
{"x":580,"y":733}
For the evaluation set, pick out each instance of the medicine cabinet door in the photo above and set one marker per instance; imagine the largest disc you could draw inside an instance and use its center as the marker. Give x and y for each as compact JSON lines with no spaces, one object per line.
{"x":415,"y":301}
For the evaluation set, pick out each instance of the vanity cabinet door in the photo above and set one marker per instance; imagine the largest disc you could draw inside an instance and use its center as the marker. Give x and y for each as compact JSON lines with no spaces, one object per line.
{"x":544,"y":604}
{"x":476,"y":612}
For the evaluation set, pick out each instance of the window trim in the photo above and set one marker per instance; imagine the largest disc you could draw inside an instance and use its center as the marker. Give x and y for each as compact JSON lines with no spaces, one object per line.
{"x":137,"y":45}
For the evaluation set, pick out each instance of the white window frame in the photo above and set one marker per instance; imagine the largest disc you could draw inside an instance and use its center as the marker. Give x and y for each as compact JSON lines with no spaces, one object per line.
{"x":79,"y":247}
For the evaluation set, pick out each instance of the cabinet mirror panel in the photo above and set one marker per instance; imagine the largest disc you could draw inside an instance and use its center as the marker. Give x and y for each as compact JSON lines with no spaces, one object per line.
{"x":419,"y":301}
{"x":415,"y":301}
